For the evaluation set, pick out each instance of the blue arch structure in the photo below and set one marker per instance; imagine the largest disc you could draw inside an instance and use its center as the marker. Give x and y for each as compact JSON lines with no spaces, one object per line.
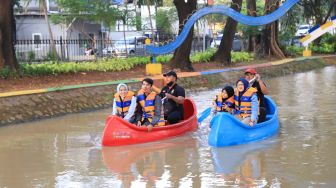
{"x":117,"y":2}
{"x":318,"y":31}
{"x":224,"y":10}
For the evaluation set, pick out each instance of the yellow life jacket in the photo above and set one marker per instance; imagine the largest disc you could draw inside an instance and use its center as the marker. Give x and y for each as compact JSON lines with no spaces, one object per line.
{"x":220,"y":105}
{"x":123,"y":105}
{"x":245,"y":107}
{"x":148,"y":106}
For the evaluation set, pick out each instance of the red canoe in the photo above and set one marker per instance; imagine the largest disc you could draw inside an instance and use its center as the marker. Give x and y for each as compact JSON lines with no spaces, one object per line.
{"x":118,"y":132}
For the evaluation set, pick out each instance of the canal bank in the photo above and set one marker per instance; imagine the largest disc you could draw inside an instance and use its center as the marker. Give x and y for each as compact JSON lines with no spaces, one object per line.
{"x":31,"y":105}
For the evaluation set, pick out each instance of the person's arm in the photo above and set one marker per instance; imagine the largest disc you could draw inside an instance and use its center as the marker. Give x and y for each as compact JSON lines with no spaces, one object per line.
{"x":156,"y":89}
{"x":214,"y":107}
{"x":262,"y":85}
{"x":157,"y":110}
{"x":254,"y":108}
{"x":131,"y":109}
{"x":178,"y":100}
{"x":114,"y":108}
{"x":138,"y":112}
{"x":180,"y":96}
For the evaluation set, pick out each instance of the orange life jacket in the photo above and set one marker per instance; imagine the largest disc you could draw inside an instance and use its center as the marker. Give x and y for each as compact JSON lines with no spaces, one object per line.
{"x":148,"y":107}
{"x":245,"y":107}
{"x":220,"y":105}
{"x":123,"y":105}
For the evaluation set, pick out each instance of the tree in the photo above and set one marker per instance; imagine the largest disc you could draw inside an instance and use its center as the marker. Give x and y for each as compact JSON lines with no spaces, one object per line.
{"x":181,"y":58}
{"x":148,"y":3}
{"x":269,"y":40}
{"x":44,"y":9}
{"x":223,"y":53}
{"x":318,"y":10}
{"x":98,"y":11}
{"x":164,"y":20}
{"x":127,"y":19}
{"x":251,"y":6}
{"x":7,"y":31}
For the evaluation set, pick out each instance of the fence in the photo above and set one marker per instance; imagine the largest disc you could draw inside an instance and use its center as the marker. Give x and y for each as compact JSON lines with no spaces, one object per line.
{"x":89,"y":50}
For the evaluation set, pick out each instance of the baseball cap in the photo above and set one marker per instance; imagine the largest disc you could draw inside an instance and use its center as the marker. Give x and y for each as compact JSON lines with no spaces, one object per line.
{"x":252,"y":71}
{"x":170,"y":73}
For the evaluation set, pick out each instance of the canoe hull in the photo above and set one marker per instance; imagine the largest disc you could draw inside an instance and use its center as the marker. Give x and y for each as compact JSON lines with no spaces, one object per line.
{"x":118,"y":132}
{"x":227,"y":130}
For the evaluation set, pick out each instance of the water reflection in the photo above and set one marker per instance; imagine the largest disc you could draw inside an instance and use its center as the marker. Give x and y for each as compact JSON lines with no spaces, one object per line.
{"x":66,"y":152}
{"x":242,"y":165}
{"x":151,"y":164}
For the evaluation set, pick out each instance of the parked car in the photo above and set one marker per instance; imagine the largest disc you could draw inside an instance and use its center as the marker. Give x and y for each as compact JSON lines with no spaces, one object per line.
{"x":295,"y":41}
{"x":303,"y":30}
{"x":237,"y":44}
{"x":133,"y":44}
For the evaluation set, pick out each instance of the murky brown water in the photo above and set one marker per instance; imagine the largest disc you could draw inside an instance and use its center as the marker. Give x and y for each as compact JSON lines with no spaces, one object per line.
{"x":66,"y":151}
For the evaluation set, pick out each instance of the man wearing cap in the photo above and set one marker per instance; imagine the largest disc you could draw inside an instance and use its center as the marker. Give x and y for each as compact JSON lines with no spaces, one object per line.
{"x":173,"y":98}
{"x":254,"y":78}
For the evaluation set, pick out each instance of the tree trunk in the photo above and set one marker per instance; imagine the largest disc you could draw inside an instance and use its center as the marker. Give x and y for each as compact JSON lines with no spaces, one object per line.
{"x":251,"y":11}
{"x":181,"y":58}
{"x":52,"y":41}
{"x":269,"y":41}
{"x":319,"y":18}
{"x":332,"y":6}
{"x":223,"y":53}
{"x":7,"y":31}
{"x":150,"y":21}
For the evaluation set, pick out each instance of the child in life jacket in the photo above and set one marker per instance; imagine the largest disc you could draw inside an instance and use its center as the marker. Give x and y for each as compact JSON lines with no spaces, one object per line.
{"x":224,"y":101}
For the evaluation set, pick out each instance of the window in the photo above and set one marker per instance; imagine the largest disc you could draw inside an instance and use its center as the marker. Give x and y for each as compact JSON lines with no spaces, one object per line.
{"x":37,"y":39}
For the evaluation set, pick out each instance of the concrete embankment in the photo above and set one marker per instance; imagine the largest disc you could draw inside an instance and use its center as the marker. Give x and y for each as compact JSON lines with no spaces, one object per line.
{"x":22,"y":106}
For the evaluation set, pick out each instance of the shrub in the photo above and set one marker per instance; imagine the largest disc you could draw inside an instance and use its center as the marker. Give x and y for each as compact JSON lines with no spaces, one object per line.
{"x":294,"y":50}
{"x":116,"y":64}
{"x":324,"y":48}
{"x":5,"y":72}
{"x":241,"y":57}
{"x":31,"y":56}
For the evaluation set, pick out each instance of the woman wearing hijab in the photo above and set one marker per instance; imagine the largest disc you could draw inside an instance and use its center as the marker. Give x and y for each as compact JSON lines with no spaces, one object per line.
{"x":224,"y":101}
{"x":124,"y":103}
{"x":246,"y":102}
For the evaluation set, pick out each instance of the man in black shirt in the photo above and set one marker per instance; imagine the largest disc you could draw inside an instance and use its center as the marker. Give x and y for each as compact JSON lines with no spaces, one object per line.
{"x":254,"y":78}
{"x":173,"y":98}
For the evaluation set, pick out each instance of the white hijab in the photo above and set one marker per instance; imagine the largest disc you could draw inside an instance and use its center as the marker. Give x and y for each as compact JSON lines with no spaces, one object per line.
{"x":121,"y":85}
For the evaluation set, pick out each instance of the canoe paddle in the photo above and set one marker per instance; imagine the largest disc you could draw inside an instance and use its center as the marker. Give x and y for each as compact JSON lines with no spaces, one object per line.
{"x":203,"y":115}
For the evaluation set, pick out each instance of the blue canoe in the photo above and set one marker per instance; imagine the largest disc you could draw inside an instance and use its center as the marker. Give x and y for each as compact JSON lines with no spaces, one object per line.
{"x":226,"y":130}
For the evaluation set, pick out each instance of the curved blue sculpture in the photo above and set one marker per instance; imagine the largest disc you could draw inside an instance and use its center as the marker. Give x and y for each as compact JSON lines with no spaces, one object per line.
{"x":117,"y":2}
{"x":226,"y":130}
{"x":220,"y":9}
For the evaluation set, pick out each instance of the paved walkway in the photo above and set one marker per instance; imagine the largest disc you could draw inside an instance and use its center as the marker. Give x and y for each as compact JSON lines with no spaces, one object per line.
{"x":133,"y":80}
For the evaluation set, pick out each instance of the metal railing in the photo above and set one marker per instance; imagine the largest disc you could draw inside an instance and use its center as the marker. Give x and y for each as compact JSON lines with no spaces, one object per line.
{"x":90,"y":50}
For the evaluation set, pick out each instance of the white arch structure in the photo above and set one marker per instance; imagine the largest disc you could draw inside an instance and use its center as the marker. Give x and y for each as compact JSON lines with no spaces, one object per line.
{"x":317,"y":31}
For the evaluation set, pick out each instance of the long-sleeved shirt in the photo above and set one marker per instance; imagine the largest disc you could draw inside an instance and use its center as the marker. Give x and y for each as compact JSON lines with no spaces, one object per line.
{"x":157,"y":111}
{"x":131,"y":109}
{"x":254,"y":107}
